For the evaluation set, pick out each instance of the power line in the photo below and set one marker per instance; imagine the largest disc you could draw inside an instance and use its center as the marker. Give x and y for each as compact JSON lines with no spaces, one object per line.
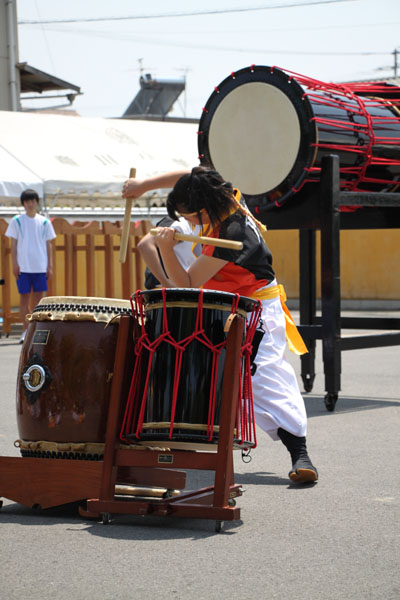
{"x":184,"y":14}
{"x":214,"y":48}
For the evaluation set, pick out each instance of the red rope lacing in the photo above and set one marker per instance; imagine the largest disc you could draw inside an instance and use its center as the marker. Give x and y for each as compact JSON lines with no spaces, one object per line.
{"x":346,"y":97}
{"x":245,"y":406}
{"x":136,"y":403}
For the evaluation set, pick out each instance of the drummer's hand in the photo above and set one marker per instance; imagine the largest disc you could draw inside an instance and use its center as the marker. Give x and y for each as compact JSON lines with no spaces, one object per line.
{"x":133,"y":188}
{"x":165,"y":238}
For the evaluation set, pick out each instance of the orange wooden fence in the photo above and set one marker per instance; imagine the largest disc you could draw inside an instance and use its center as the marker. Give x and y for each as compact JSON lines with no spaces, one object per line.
{"x":86,"y":263}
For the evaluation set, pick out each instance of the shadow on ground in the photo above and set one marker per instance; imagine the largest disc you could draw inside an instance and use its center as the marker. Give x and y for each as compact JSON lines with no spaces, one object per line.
{"x":315,"y":405}
{"x":123,"y":527}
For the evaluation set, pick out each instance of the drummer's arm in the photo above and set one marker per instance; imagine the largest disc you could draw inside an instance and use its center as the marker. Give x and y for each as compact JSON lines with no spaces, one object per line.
{"x":197,"y":274}
{"x":133,"y":188}
{"x":148,"y":251}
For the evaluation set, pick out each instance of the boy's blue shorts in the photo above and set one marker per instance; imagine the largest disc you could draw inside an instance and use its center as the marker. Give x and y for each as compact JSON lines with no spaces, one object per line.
{"x":32,"y":281}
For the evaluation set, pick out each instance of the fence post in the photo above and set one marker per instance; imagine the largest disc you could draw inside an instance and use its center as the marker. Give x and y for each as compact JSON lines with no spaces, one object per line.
{"x":52,"y":282}
{"x":90,"y":264}
{"x":142,"y":228}
{"x":8,"y":316}
{"x":126,"y":269}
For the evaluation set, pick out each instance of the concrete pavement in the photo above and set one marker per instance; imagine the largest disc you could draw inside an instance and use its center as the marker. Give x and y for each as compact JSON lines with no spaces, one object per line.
{"x":337,"y":540}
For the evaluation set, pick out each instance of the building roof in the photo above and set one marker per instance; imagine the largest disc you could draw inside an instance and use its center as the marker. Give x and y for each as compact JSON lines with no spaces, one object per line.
{"x":36,"y":81}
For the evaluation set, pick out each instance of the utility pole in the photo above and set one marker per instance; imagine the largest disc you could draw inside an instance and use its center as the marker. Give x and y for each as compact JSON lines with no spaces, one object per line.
{"x":395,"y":66}
{"x":9,"y":74}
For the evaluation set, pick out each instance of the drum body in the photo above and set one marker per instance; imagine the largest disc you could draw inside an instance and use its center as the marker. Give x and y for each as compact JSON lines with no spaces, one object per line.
{"x":65,"y":374}
{"x":175,"y":399}
{"x":266,"y":131}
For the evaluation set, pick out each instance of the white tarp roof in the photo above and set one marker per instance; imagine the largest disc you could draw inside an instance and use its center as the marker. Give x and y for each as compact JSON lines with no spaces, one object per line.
{"x":88,"y":155}
{"x":16,"y":177}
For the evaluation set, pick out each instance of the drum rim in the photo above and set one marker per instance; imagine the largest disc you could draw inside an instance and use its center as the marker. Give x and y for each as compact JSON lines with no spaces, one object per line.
{"x":245,"y":303}
{"x":84,"y":300}
{"x":304,"y":111}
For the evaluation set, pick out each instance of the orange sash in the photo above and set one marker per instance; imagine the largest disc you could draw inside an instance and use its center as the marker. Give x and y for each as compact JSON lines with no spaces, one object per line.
{"x":293,"y":337}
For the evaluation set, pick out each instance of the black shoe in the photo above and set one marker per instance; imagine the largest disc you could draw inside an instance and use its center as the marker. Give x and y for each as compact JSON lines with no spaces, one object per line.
{"x":302,"y":471}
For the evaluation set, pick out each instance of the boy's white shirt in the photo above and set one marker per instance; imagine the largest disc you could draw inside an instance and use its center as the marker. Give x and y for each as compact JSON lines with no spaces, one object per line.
{"x":32,"y":235}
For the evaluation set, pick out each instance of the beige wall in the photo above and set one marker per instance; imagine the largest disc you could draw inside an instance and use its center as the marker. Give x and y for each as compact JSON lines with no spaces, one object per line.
{"x":369,"y":263}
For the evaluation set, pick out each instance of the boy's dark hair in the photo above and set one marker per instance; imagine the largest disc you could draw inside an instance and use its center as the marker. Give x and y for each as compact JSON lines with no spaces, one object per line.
{"x":29,"y":195}
{"x":202,"y":188}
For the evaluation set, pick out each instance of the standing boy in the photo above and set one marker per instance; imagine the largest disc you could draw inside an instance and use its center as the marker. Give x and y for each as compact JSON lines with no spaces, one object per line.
{"x":31,"y":236}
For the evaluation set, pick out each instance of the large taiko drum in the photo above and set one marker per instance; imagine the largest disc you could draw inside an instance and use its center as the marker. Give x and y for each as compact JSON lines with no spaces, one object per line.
{"x":65,"y":374}
{"x":266,"y":131}
{"x":175,"y":396}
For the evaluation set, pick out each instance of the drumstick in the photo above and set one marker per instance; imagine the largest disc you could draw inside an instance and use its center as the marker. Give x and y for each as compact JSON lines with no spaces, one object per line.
{"x":201,"y":239}
{"x":128,"y":490}
{"x":127,"y":223}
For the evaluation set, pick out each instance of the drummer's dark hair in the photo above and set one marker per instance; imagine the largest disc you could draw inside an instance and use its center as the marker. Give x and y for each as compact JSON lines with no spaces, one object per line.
{"x":202,"y":188}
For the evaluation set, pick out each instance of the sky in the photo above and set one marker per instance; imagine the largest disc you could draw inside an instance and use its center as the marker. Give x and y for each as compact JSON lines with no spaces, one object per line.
{"x":106,"y":46}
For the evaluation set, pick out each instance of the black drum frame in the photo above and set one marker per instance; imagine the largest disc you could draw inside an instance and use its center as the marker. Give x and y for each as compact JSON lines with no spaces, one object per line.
{"x":317,"y":207}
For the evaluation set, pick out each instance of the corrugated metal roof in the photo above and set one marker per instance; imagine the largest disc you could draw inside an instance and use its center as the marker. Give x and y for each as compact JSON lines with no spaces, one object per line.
{"x":34,"y":80}
{"x":156,"y":96}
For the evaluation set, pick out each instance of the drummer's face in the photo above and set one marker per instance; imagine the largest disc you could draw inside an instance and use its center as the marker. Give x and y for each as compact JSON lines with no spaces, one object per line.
{"x":193,"y":217}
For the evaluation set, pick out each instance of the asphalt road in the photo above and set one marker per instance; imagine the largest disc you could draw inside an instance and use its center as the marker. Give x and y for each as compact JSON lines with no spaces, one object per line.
{"x":336,"y":540}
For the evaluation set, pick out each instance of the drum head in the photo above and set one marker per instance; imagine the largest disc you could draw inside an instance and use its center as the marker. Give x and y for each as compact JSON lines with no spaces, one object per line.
{"x":77,"y":308}
{"x":256,"y":131}
{"x":240,"y":140}
{"x":84,"y":301}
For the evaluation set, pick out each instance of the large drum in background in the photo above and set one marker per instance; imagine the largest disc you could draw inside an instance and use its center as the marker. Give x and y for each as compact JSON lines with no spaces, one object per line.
{"x":266,"y":130}
{"x":65,"y":374}
{"x":175,"y":396}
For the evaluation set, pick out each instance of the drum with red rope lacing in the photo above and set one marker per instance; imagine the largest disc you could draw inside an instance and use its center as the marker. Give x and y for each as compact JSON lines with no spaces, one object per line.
{"x":266,"y":130}
{"x":175,"y":395}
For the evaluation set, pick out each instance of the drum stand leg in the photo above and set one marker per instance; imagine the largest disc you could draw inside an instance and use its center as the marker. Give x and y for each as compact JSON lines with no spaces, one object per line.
{"x":213,"y":502}
{"x":308,"y":302}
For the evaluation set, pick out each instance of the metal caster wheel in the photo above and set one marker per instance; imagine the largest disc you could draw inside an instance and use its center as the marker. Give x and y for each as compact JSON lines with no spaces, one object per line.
{"x":231,"y":502}
{"x":218,"y":526}
{"x":330,"y":401}
{"x":105,"y":518}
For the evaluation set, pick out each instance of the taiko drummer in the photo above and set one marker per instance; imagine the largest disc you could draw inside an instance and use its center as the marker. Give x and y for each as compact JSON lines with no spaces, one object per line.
{"x":204,"y":198}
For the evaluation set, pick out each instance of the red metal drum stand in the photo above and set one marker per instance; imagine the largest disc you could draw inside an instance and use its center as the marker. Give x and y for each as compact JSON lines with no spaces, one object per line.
{"x":216,"y":502}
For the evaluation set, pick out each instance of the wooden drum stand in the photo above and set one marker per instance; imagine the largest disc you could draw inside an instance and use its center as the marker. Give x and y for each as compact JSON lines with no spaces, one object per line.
{"x":49,"y":482}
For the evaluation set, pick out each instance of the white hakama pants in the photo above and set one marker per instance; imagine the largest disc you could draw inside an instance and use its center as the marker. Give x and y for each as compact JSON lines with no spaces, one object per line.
{"x":276,"y":394}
